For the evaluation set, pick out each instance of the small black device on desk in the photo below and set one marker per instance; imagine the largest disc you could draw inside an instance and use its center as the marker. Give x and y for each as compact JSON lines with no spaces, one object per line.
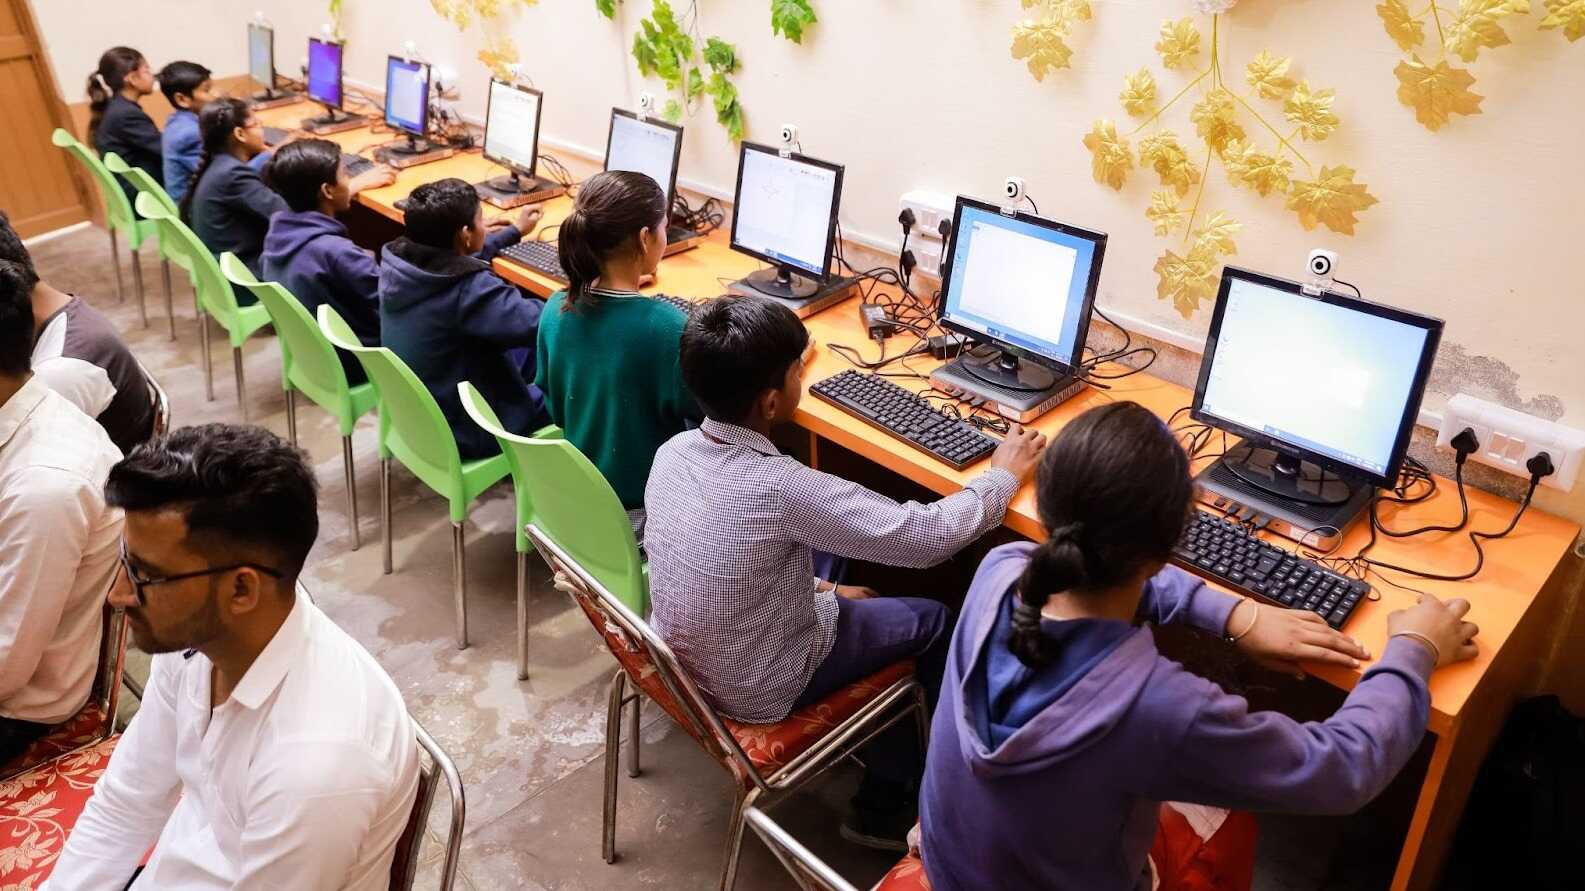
{"x":355,"y":165}
{"x":274,"y":136}
{"x":1231,"y":553}
{"x":539,"y":256}
{"x":905,"y":415}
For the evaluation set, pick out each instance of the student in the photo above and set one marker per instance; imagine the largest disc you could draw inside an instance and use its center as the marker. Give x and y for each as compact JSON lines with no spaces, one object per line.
{"x":116,"y":122}
{"x":608,"y":356}
{"x":452,"y":319}
{"x":733,"y":524}
{"x":270,"y":750}
{"x":58,"y":538}
{"x":1060,"y":728}
{"x":307,"y":249}
{"x":227,"y":204}
{"x":78,"y":354}
{"x":187,"y":87}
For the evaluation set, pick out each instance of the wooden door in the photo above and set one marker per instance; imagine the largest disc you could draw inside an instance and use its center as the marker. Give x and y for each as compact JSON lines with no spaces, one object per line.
{"x":38,"y":188}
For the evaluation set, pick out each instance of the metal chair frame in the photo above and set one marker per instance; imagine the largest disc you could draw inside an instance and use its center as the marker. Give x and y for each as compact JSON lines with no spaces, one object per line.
{"x":404,"y":867}
{"x":809,"y":871}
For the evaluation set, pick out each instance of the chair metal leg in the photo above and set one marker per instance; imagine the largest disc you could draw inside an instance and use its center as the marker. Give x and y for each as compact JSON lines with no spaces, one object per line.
{"x":115,"y":260}
{"x":459,"y":569}
{"x":137,"y":285}
{"x":352,"y":485}
{"x":634,"y":704}
{"x":236,"y":364}
{"x":291,"y":416}
{"x":170,"y":308}
{"x":385,"y":507}
{"x":522,"y":615}
{"x":209,"y":361}
{"x":734,"y":837}
{"x":613,"y":745}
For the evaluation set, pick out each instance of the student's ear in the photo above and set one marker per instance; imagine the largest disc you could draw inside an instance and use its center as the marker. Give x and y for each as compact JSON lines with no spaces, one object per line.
{"x":182,"y":101}
{"x":247,"y":589}
{"x":770,"y":405}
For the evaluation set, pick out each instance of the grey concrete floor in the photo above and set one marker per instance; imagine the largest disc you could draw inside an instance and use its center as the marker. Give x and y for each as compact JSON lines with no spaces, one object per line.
{"x":529,"y":751}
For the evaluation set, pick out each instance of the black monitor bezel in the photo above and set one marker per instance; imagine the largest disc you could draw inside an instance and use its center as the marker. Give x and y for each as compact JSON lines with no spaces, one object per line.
{"x":831,"y":229}
{"x":1411,"y":413}
{"x":539,"y":113}
{"x":260,"y":26}
{"x":423,"y":123}
{"x":676,"y":154}
{"x":341,"y":68}
{"x":1069,"y":365}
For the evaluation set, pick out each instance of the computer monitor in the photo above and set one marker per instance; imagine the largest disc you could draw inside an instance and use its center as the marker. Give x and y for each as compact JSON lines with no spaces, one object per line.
{"x":1330,"y":380}
{"x":785,"y":213}
{"x":647,"y":146}
{"x":324,"y":72}
{"x":261,"y":58}
{"x":1024,"y":285}
{"x":511,"y":132}
{"x":407,"y":97}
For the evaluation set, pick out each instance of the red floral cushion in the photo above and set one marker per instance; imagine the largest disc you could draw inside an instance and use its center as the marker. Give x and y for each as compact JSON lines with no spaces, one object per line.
{"x":87,"y":726}
{"x":771,"y":746}
{"x":38,"y":809}
{"x":907,"y":875}
{"x":1199,"y":848}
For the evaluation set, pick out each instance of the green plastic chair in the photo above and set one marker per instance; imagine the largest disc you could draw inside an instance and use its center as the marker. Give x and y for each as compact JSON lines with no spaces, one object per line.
{"x":413,"y":430}
{"x":119,"y":217}
{"x":144,"y":183}
{"x":561,"y":493}
{"x":309,"y":365}
{"x":215,"y":297}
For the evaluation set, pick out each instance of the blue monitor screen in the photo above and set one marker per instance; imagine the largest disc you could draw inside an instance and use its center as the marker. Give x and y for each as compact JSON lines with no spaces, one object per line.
{"x":1020,"y":283}
{"x":406,"y":95}
{"x":324,"y":72}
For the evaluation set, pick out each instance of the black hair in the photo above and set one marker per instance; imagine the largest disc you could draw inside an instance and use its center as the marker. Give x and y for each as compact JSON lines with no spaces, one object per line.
{"x":216,"y":123}
{"x":1114,"y":494}
{"x":16,"y":318}
{"x":106,"y":81}
{"x":299,"y":168}
{"x":733,"y":349}
{"x":181,"y":79}
{"x":243,"y":489}
{"x":13,"y":250}
{"x":610,"y":210}
{"x":437,"y":211}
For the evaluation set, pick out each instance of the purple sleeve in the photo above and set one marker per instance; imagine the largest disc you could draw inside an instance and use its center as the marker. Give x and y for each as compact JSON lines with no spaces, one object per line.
{"x":1173,"y":595}
{"x":1266,"y":761}
{"x":497,"y":241}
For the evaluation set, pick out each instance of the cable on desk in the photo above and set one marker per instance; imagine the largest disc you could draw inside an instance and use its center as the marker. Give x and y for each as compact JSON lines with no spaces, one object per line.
{"x":704,"y":219}
{"x":559,"y":174}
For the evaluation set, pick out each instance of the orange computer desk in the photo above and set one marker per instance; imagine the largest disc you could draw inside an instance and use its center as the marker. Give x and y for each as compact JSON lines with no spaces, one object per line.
{"x":1511,"y":601}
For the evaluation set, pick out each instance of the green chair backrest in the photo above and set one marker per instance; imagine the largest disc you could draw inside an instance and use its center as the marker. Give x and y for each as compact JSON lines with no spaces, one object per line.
{"x":308,"y":361}
{"x":412,"y":426}
{"x":118,"y":210}
{"x":146,"y":184}
{"x":213,"y":289}
{"x":563,"y":494}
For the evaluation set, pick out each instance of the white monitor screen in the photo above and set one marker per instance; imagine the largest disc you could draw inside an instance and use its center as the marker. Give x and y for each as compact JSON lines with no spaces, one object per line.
{"x":1322,"y":377}
{"x":643,"y":147}
{"x":1020,"y":283}
{"x":261,"y":56}
{"x":511,"y":129}
{"x":784,"y":209}
{"x":407,"y":95}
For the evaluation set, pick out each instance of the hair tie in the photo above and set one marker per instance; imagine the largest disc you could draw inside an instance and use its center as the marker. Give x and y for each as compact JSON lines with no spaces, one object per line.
{"x":103,"y":84}
{"x":1073,"y":534}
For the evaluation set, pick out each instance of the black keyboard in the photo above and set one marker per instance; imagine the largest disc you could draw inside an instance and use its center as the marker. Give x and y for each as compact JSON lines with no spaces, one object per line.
{"x":274,"y":136}
{"x":677,"y":233}
{"x":539,"y":256}
{"x":1228,"y":552}
{"x":356,"y":164}
{"x":905,"y":415}
{"x":682,"y":303}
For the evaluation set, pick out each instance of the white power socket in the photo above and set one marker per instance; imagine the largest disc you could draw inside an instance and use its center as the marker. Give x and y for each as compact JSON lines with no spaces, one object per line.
{"x":927,"y":253}
{"x":1509,"y":438}
{"x":929,"y":208}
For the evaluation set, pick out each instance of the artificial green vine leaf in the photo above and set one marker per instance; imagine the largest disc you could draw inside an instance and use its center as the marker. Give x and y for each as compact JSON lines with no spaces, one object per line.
{"x":695,"y":83}
{"x":673,"y":111}
{"x":661,"y":47}
{"x":728,"y":110}
{"x":789,"y":18}
{"x":607,"y":8}
{"x":720,"y":55}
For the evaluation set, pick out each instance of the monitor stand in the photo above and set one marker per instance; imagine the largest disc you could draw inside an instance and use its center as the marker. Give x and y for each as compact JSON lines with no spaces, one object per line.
{"x":334,"y":120}
{"x":411,"y":152}
{"x":801,"y":294}
{"x":516,"y":190}
{"x":1305,"y":503}
{"x":1013,"y":388}
{"x":273,"y":98}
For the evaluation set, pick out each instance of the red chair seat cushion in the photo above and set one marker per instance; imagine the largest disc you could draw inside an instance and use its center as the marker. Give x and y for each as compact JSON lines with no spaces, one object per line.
{"x":77,"y":731}
{"x":38,"y":810}
{"x":907,"y":875}
{"x":1199,"y":848}
{"x":772,"y":746}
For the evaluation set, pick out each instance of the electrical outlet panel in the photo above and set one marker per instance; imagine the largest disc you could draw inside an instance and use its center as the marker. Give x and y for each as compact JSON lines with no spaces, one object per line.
{"x":1509,"y":438}
{"x":929,"y":208}
{"x":927,"y":251}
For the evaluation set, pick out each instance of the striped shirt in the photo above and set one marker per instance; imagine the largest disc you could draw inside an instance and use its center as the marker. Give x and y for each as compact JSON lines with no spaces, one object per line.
{"x":731,"y":530}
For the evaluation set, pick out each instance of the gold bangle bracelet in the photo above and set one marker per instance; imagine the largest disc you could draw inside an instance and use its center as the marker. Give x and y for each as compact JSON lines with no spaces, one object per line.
{"x":1248,"y":628}
{"x":1436,"y":651}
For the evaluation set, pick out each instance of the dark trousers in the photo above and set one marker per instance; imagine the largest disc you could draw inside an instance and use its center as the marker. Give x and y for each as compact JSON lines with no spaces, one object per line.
{"x":16,"y":736}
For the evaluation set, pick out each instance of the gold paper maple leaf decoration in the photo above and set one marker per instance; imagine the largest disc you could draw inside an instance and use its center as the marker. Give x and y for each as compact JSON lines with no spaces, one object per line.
{"x":1436,"y":92}
{"x":1040,"y":41}
{"x":1331,"y":200}
{"x":1268,"y":75}
{"x":1113,"y":158}
{"x":1164,"y":213}
{"x":1405,"y":30}
{"x":1139,"y":92}
{"x":1166,"y":156}
{"x":1568,"y":15}
{"x":1215,"y":119}
{"x":1179,"y":43}
{"x":1262,"y":172}
{"x":500,"y":51}
{"x":1311,"y":110}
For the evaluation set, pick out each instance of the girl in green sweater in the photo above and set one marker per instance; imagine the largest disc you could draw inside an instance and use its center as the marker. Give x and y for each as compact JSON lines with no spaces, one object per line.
{"x":607,"y":357}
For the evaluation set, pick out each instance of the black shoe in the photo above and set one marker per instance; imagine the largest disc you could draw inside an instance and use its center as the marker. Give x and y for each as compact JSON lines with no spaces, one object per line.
{"x":883,"y":830}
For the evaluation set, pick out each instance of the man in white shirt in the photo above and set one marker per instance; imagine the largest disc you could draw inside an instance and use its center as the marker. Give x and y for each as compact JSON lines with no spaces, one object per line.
{"x":58,"y":538}
{"x":270,"y":750}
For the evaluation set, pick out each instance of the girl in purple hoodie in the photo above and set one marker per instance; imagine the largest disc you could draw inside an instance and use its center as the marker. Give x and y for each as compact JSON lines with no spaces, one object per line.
{"x":1061,"y":729}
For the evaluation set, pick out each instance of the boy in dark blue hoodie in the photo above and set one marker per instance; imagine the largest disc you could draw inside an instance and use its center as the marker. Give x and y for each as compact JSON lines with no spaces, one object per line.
{"x":307,"y":249}
{"x":452,"y":319}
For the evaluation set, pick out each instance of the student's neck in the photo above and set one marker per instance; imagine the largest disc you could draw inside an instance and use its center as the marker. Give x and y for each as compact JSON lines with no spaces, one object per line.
{"x":327,"y":209}
{"x":620,"y":277}
{"x":130,"y":94}
{"x":1118,"y":604}
{"x":9,"y":385}
{"x":240,"y":152}
{"x":47,"y":301}
{"x":235,"y":654}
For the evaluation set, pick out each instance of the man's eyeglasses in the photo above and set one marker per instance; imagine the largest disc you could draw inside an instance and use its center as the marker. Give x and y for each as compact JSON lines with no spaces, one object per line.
{"x":140,"y":581}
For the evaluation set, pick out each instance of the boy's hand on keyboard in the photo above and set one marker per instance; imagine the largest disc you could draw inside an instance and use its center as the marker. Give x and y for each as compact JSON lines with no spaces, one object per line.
{"x":375,"y":177}
{"x":1281,"y":638}
{"x":1020,"y":451}
{"x":1442,"y":624}
{"x":528,"y":220}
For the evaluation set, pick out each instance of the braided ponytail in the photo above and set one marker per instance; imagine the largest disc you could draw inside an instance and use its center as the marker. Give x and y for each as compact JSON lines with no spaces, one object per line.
{"x":106,"y":81}
{"x":1056,"y":565}
{"x":218,"y":121}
